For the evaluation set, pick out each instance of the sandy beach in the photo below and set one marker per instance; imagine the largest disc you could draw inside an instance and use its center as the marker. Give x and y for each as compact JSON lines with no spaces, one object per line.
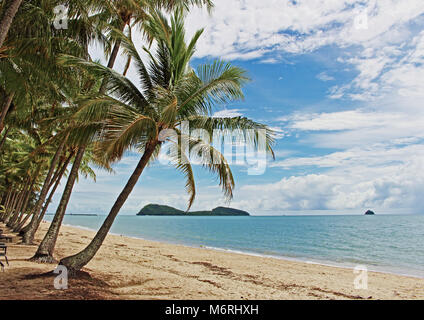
{"x":127,"y":268}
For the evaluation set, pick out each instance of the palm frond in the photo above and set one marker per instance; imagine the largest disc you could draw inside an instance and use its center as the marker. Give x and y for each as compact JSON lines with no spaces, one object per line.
{"x":117,"y":85}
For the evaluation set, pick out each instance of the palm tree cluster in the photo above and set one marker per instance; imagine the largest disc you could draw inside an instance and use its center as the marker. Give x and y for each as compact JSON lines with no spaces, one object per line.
{"x":63,"y":113}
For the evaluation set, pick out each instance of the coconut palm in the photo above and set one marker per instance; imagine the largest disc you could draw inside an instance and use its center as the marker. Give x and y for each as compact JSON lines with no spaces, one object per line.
{"x":116,"y":15}
{"x":8,"y":9}
{"x":21,"y":174}
{"x":35,"y":46}
{"x":32,"y":86}
{"x":133,"y":13}
{"x":141,"y":119}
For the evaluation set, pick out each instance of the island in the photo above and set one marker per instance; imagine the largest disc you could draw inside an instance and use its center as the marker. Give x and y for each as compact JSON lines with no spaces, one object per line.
{"x":369,"y":213}
{"x":160,"y":210}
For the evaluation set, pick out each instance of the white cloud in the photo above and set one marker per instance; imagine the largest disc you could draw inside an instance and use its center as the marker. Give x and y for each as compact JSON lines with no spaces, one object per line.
{"x":270,"y":61}
{"x":372,"y":156}
{"x":385,"y":55}
{"x":380,"y":162}
{"x":325,"y":77}
{"x":345,"y":120}
{"x":228,"y":113}
{"x":251,"y":28}
{"x":360,"y":127}
{"x":398,"y":185}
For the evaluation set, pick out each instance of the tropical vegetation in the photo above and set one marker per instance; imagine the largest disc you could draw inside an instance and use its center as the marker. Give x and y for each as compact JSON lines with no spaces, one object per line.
{"x":64,"y":114}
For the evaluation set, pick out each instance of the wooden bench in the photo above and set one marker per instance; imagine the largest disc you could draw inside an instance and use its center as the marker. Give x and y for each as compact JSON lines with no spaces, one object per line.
{"x":3,"y":253}
{"x":5,"y":238}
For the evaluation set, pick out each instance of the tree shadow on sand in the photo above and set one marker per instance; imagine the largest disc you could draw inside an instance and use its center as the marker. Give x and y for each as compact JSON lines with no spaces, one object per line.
{"x":30,"y":285}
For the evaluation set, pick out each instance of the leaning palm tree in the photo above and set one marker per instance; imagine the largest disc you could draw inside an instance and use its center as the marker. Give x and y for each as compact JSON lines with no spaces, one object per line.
{"x":101,"y":19}
{"x":172,"y":93}
{"x":8,"y":10}
{"x":133,"y":13}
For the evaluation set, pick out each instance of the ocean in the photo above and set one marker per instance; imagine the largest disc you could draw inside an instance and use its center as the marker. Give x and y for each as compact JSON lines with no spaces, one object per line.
{"x":386,"y":243}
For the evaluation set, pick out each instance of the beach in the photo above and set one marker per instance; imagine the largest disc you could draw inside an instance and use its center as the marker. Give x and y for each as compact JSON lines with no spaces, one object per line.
{"x":129,"y":268}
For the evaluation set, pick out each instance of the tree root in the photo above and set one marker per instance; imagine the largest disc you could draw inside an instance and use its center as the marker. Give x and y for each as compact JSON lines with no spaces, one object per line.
{"x":43,"y":258}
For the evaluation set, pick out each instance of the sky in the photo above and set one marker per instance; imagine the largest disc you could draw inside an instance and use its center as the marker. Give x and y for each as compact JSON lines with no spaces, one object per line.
{"x":341,"y":82}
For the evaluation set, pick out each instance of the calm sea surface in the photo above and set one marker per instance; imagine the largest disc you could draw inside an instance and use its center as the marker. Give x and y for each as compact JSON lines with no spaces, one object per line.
{"x":390,"y":243}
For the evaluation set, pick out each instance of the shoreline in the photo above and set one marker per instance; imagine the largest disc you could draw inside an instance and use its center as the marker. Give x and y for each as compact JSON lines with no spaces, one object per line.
{"x":311,"y":261}
{"x":135,"y":269}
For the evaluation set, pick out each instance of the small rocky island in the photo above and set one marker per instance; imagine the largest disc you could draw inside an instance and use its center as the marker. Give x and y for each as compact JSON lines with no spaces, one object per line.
{"x":369,"y":213}
{"x":159,"y":210}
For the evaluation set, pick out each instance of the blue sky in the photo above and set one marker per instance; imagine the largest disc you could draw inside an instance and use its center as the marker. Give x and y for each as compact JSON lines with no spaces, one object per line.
{"x":340,"y":81}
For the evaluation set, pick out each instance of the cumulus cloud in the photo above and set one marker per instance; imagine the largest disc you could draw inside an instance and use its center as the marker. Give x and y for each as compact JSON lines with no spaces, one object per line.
{"x":379,"y":162}
{"x":248,"y":28}
{"x":396,"y":185}
{"x":384,"y":54}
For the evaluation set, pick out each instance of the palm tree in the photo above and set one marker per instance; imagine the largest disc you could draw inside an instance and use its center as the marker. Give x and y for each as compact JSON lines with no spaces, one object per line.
{"x":45,"y":250}
{"x":9,"y":10}
{"x":27,"y":66}
{"x":116,"y":16}
{"x":140,"y":120}
{"x":20,"y":174}
{"x":130,"y":13}
{"x":35,"y":46}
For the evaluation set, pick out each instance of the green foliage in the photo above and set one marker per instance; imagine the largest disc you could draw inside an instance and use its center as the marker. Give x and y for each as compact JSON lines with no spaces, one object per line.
{"x":129,"y":117}
{"x":61,"y":94}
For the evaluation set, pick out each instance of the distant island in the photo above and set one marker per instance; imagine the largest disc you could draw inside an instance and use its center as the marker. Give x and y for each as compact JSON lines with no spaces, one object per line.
{"x":369,"y":213}
{"x":160,"y":210}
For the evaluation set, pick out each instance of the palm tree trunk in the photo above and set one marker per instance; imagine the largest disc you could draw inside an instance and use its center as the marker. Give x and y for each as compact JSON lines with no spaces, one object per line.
{"x":30,"y":181}
{"x":114,"y":53}
{"x":26,"y":201}
{"x":8,"y":195}
{"x":6,"y":203}
{"x":13,"y":202}
{"x":29,"y":229}
{"x":56,"y":184}
{"x":112,"y":59}
{"x":18,"y":228}
{"x":9,"y":206}
{"x":57,"y":174}
{"x":12,"y":7}
{"x":23,"y":209}
{"x":3,"y":140}
{"x":76,"y":262}
{"x":5,"y":109}
{"x":17,"y":212}
{"x":46,"y":248}
{"x":127,"y":66}
{"x":14,"y":212}
{"x":44,"y":253}
{"x":13,"y":207}
{"x":28,"y":236}
{"x":49,"y":199}
{"x":18,"y":209}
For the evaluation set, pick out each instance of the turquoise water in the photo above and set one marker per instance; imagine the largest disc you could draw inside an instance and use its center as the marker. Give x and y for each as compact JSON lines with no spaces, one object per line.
{"x":390,"y":243}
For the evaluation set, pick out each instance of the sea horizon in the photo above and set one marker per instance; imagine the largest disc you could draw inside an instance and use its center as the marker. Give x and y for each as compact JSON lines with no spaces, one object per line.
{"x":289,"y":214}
